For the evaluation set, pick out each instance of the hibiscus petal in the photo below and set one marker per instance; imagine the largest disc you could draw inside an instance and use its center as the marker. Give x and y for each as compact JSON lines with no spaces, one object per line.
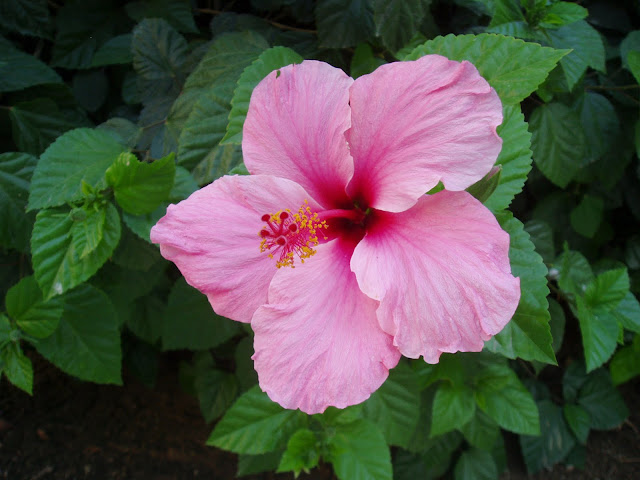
{"x":295,"y":129}
{"x":417,"y":123}
{"x":442,"y":273}
{"x":213,"y":238}
{"x":318,"y":343}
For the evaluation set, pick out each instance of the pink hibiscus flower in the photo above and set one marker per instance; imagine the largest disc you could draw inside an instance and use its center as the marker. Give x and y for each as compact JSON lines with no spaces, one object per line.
{"x":339,"y":174}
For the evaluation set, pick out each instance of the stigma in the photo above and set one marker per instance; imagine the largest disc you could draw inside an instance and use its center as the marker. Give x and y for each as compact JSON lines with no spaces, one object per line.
{"x":288,"y":235}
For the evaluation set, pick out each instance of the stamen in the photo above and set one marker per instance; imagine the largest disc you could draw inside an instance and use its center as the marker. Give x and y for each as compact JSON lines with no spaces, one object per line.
{"x":291,"y":234}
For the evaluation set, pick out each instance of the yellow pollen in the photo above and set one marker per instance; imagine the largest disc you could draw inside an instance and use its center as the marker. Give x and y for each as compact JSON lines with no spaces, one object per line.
{"x":287,"y":235}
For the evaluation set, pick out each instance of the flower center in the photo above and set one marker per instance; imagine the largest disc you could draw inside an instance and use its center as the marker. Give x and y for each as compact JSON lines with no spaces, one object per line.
{"x":287,"y":235}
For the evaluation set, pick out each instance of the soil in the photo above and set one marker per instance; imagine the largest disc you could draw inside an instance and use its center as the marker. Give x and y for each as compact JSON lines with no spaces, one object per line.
{"x":71,"y":429}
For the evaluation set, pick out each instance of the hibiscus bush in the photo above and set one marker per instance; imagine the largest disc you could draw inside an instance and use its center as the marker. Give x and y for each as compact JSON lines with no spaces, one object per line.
{"x":416,"y":220}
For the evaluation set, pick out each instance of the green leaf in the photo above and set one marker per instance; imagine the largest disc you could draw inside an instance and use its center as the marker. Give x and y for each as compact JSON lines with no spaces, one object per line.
{"x":176,"y":12}
{"x":17,"y":367}
{"x":82,"y":27}
{"x":5,"y":329}
{"x":19,"y":70}
{"x":482,"y":431}
{"x":587,"y":46}
{"x":633,"y":60}
{"x":408,"y":466}
{"x":358,"y":451}
{"x":397,"y":21}
{"x":216,"y":389}
{"x":183,"y":186}
{"x":572,"y":381}
{"x":453,"y":407}
{"x":116,"y":51}
{"x":79,"y":155}
{"x":502,"y":396}
{"x":603,"y":402}
{"x":541,"y":235}
{"x":123,"y":130}
{"x":598,"y":322}
{"x":599,"y":122}
{"x":554,"y":443}
{"x":301,"y":453}
{"x":587,"y":216}
{"x":514,"y":158}
{"x":579,"y":421}
{"x":247,"y":375}
{"x":251,"y":464}
{"x":37,"y":123}
{"x":557,"y":142}
{"x":191,"y":323}
{"x":394,"y":407}
{"x":630,"y":43}
{"x":625,"y":364}
{"x":628,"y":313}
{"x":141,"y":224}
{"x":475,"y":464}
{"x":87,"y":341}
{"x":29,"y":17}
{"x":268,"y":61}
{"x":599,"y":329}
{"x":15,"y":174}
{"x":140,"y":187}
{"x":58,"y":266}
{"x":514,"y":68}
{"x":364,"y":61}
{"x":203,"y":131}
{"x":574,"y":272}
{"x":255,"y":424}
{"x":87,"y":230}
{"x":483,"y":188}
{"x":159,"y":51}
{"x":216,"y":73}
{"x":563,"y":13}
{"x":527,"y":335}
{"x":608,"y":289}
{"x":91,"y":89}
{"x":505,"y":11}
{"x":344,"y":23}
{"x":34,"y":316}
{"x":557,"y":323}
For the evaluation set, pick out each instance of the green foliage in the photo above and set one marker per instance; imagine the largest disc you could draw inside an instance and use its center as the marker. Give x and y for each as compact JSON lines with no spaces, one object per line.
{"x":86,"y":344}
{"x":86,"y":155}
{"x":33,"y":315}
{"x":557,"y":142}
{"x":301,"y":454}
{"x":19,"y":70}
{"x":394,"y":408}
{"x":139,"y":187}
{"x":358,"y":451}
{"x":528,"y":334}
{"x":255,"y":425}
{"x":57,"y":262}
{"x":15,"y":174}
{"x":503,"y":397}
{"x":190,"y":323}
{"x":344,"y":23}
